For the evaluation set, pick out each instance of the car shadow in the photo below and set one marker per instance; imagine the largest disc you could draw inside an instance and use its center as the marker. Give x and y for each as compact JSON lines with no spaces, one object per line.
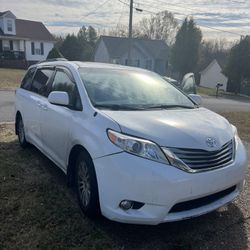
{"x":221,"y":229}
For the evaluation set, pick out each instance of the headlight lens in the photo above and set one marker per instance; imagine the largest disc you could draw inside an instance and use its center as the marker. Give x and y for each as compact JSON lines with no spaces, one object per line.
{"x":137,"y":146}
{"x":175,"y":161}
{"x":236,"y":136}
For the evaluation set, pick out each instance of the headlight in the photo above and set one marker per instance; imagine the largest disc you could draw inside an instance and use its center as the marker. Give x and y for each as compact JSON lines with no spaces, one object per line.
{"x":137,"y":146}
{"x":175,"y":161}
{"x":236,"y":136}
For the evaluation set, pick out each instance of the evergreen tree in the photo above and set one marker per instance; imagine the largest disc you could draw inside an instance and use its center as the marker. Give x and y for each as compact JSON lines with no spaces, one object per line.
{"x":71,"y":48}
{"x":54,"y":53}
{"x":238,"y":64}
{"x":91,"y":36}
{"x":185,"y":52}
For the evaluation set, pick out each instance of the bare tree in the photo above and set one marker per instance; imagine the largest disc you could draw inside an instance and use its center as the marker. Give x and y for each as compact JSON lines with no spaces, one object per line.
{"x":162,"y":26}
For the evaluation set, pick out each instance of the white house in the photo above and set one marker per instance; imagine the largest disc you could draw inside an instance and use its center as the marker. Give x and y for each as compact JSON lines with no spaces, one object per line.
{"x":23,"y":39}
{"x":145,"y":53}
{"x":212,"y":75}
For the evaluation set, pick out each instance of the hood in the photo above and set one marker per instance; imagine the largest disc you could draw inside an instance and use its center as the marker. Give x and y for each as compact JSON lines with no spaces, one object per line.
{"x":180,"y":128}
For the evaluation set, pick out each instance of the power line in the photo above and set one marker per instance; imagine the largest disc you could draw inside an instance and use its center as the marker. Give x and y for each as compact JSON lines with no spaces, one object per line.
{"x":201,"y":25}
{"x":89,"y":13}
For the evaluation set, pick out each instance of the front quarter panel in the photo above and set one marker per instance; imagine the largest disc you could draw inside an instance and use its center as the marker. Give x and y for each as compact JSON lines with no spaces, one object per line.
{"x":89,"y":129}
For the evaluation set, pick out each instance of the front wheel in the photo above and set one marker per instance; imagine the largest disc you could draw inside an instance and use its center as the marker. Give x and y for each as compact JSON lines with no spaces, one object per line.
{"x":87,"y":191}
{"x":21,"y":134}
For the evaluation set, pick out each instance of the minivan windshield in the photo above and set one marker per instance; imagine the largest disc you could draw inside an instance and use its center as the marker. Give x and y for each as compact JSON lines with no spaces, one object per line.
{"x":122,"y":89}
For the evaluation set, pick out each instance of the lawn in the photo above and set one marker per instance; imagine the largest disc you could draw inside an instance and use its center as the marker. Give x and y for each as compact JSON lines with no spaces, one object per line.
{"x":242,"y":121}
{"x":10,"y":78}
{"x":38,"y":211}
{"x":205,"y":91}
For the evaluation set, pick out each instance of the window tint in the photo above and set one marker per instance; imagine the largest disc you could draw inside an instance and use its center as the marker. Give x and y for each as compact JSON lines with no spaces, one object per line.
{"x":40,"y":81}
{"x":27,"y":80}
{"x":62,"y":82}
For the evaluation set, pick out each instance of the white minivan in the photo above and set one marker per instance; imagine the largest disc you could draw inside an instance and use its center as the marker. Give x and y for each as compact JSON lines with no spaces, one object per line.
{"x":136,"y":148}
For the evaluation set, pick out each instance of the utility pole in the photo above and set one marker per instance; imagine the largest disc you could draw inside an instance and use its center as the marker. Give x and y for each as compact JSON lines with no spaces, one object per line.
{"x":130,"y":31}
{"x":130,"y":19}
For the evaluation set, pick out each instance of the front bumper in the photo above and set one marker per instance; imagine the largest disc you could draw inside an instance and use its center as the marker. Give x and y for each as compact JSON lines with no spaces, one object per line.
{"x":127,"y":177}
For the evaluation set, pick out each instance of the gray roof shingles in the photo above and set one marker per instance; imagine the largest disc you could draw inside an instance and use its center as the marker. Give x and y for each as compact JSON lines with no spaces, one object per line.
{"x":118,"y":46}
{"x":30,"y":30}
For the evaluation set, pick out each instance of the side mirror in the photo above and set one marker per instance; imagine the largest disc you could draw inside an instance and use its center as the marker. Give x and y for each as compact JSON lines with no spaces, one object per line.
{"x":196,"y":98}
{"x":59,"y":98}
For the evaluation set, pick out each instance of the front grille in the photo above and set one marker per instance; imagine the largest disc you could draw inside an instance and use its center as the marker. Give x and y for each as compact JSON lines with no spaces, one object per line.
{"x":199,"y":159}
{"x":192,"y":204}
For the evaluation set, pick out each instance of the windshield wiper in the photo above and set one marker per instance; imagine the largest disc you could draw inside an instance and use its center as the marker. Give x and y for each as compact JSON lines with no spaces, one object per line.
{"x":116,"y":107}
{"x":165,"y":106}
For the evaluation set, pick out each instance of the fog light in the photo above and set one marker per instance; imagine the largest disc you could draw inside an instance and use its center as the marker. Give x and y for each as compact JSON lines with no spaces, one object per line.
{"x":126,"y":205}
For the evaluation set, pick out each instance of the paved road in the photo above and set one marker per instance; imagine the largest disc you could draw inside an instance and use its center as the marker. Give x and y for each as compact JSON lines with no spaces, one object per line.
{"x":7,"y":109}
{"x":216,"y":104}
{"x":226,"y":105}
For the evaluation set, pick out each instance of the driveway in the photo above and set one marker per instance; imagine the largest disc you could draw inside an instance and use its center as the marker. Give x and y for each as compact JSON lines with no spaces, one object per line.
{"x":7,"y":99}
{"x":7,"y":109}
{"x":225,"y":104}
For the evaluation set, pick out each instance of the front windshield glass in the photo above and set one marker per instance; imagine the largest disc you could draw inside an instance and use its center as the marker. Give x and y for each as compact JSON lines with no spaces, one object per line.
{"x":131,"y":89}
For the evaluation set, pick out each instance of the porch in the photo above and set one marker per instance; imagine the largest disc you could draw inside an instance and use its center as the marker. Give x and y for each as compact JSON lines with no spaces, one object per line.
{"x":12,"y":53}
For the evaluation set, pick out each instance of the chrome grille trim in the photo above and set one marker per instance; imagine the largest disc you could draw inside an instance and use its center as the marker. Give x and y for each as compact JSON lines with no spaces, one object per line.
{"x":198,"y":160}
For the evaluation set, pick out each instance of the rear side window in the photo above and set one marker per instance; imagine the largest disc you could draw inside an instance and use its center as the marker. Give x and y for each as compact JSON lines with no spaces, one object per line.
{"x":41,"y":80}
{"x":27,"y":80}
{"x":62,"y":82}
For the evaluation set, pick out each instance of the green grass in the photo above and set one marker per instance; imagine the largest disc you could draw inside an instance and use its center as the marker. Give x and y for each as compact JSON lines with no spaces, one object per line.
{"x":10,"y":78}
{"x":39,"y":211}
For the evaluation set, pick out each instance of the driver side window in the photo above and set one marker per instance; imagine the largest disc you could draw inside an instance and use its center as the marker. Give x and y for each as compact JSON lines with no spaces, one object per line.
{"x":62,"y":82}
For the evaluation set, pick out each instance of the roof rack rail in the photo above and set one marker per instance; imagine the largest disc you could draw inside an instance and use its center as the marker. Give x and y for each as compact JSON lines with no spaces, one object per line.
{"x":53,"y":60}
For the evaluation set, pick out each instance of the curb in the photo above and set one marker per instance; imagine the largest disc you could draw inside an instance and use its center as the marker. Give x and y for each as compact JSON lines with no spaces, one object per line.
{"x":7,"y":123}
{"x":9,"y":90}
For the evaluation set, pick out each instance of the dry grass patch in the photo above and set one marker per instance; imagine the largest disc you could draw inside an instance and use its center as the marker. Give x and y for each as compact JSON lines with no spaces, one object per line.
{"x":242,"y":121}
{"x":38,"y":211}
{"x":10,"y":78}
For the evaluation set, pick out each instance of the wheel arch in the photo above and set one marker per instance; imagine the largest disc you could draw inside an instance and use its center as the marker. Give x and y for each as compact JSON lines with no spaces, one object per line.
{"x":75,"y":150}
{"x":18,"y":115}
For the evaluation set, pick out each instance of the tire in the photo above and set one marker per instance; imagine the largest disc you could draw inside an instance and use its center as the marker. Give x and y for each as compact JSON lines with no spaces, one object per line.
{"x":21,"y":133}
{"x":86,"y":185}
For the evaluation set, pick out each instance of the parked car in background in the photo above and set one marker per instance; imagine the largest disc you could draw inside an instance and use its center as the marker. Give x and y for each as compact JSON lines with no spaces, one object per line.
{"x":187,"y":85}
{"x":136,"y":148}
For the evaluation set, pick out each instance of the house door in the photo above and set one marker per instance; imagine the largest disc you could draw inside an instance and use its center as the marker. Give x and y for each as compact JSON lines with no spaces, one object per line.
{"x":1,"y":46}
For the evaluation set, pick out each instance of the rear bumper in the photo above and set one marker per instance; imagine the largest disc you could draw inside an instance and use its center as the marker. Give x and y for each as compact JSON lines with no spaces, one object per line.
{"x":160,"y":187}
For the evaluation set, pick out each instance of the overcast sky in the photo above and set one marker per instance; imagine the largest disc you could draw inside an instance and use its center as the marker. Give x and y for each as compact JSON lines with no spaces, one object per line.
{"x":64,"y":16}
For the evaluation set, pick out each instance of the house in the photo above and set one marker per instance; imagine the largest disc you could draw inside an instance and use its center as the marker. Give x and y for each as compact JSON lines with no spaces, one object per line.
{"x":212,"y":75}
{"x":22,"y":42}
{"x":145,"y":53}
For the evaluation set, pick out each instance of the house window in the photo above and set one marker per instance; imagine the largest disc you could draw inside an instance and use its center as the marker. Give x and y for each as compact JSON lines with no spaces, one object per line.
{"x":38,"y":51}
{"x":115,"y":61}
{"x":32,"y":48}
{"x":11,"y":45}
{"x":6,"y":45}
{"x":42,"y":49}
{"x":9,"y":25}
{"x":149,"y":64}
{"x":135,"y":63}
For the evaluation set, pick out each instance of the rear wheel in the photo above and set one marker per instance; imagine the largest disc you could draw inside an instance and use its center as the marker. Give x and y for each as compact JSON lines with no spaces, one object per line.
{"x":21,"y":133}
{"x":86,"y":184}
